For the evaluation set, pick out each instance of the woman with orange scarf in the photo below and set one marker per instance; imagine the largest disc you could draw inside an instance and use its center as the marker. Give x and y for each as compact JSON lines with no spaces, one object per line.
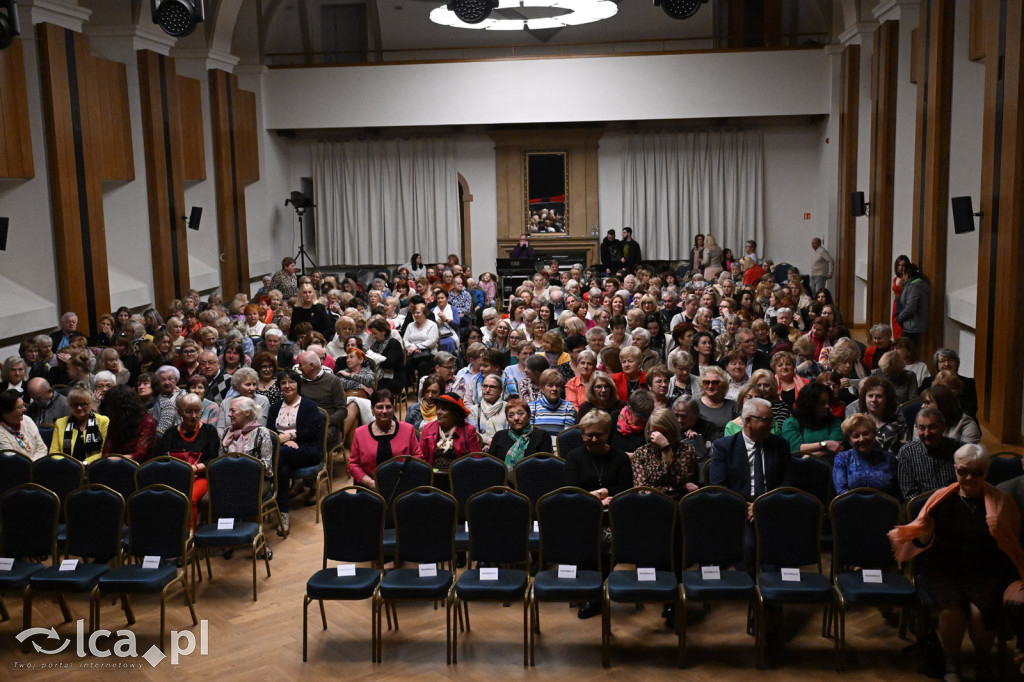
{"x":968,"y":536}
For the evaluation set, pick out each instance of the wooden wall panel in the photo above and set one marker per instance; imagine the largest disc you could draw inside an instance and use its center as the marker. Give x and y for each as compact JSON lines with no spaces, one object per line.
{"x":75,"y":136}
{"x":849,"y":125}
{"x":885,"y":62}
{"x":976,"y":39}
{"x":230,"y":187}
{"x":190,"y":106}
{"x":165,"y":183}
{"x":111,"y":96}
{"x":931,"y":159}
{"x":249,"y":157}
{"x":998,"y":362}
{"x":15,"y":133}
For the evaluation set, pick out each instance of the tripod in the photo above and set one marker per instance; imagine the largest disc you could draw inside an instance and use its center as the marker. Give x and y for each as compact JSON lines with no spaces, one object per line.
{"x":302,"y":256}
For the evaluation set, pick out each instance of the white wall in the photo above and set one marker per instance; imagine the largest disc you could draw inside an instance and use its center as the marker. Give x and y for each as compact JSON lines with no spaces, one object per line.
{"x":590,"y":89}
{"x":475,"y":161}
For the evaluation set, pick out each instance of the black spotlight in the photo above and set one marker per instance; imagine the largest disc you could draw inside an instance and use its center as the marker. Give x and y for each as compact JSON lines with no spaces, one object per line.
{"x":472,"y":11}
{"x":679,"y":9}
{"x":300,"y":202}
{"x":8,"y":23}
{"x":177,"y":17}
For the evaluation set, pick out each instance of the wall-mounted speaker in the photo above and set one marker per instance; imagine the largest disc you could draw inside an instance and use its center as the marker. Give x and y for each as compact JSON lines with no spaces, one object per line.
{"x":195,"y":217}
{"x":857,"y":205}
{"x":963,"y":214}
{"x":4,"y":224}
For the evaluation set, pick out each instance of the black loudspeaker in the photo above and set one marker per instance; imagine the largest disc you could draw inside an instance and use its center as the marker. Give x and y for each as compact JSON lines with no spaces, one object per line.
{"x":195,"y":217}
{"x":963,"y":215}
{"x":857,"y":205}
{"x":4,"y":224}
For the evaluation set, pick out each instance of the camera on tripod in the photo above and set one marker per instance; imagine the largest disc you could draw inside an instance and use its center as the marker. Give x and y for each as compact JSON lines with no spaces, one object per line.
{"x":300,"y":202}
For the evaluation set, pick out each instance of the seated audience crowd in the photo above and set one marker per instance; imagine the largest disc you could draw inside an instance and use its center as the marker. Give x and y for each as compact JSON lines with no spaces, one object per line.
{"x":673,"y":379}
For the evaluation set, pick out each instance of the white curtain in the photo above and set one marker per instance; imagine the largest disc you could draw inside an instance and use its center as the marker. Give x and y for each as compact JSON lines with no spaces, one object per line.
{"x":675,"y":185}
{"x":380,"y":201}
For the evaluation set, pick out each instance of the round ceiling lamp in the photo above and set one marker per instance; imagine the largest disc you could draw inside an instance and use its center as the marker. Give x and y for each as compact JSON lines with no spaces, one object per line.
{"x":569,"y":13}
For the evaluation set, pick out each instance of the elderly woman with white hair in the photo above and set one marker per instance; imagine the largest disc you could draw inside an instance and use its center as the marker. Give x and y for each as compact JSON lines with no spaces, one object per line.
{"x":245,"y":433}
{"x":244,"y":383}
{"x":14,"y":375}
{"x":968,"y":541}
{"x":102,"y":382}
{"x":167,"y":391}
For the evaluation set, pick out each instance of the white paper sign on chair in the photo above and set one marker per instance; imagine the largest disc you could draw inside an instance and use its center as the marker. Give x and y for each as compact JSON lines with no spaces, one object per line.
{"x":428,"y":570}
{"x":872,"y":575}
{"x":346,"y":570}
{"x":646,"y":575}
{"x":710,"y":573}
{"x":791,"y":575}
{"x":488,"y":574}
{"x":225,"y":524}
{"x":566,"y":572}
{"x":151,"y":562}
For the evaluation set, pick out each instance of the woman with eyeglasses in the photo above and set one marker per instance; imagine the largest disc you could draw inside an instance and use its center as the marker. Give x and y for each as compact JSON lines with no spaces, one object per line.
{"x":188,"y":363}
{"x":966,"y":535}
{"x":18,"y":432}
{"x":714,"y":406}
{"x":82,"y":433}
{"x":601,"y":394}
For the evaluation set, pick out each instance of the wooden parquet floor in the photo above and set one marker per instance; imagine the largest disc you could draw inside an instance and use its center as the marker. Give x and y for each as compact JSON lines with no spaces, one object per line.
{"x":263,"y":640}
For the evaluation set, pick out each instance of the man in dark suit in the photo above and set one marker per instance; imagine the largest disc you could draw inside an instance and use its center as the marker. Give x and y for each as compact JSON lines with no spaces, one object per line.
{"x":751,"y":462}
{"x":756,"y":359}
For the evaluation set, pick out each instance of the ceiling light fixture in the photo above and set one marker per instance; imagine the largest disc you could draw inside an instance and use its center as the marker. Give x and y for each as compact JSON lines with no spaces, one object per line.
{"x":177,"y":17}
{"x":679,"y":9}
{"x":572,"y":13}
{"x":471,"y":11}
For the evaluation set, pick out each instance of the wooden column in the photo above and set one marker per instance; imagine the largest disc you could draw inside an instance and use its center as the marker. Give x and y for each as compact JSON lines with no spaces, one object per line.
{"x":885,"y":61}
{"x":15,"y":134}
{"x":934,"y":57}
{"x":846,"y":238}
{"x":165,"y":182}
{"x":999,"y":364}
{"x":232,"y":166}
{"x":75,"y":137}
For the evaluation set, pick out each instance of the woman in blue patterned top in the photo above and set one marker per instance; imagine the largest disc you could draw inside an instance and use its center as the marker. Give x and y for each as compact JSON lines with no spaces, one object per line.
{"x":865,"y":465}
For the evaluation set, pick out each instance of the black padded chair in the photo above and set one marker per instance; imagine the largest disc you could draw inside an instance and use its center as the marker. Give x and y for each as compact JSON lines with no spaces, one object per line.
{"x":95,"y":520}
{"x":714,"y":523}
{"x":117,"y":473}
{"x":425,"y":520}
{"x":353,"y":529}
{"x":469,"y":475}
{"x":236,"y":491}
{"x":159,"y":525}
{"x":570,"y":534}
{"x":643,"y":523}
{"x":28,"y":521}
{"x":269,"y":506}
{"x":912,"y":507}
{"x":536,"y":476}
{"x":170,"y":471}
{"x":46,"y":432}
{"x":568,"y":440}
{"x":787,"y":524}
{"x":499,"y":535}
{"x":15,"y":470}
{"x":60,"y":474}
{"x":1004,"y":466}
{"x":861,"y":521}
{"x":318,"y":472}
{"x":394,"y":477}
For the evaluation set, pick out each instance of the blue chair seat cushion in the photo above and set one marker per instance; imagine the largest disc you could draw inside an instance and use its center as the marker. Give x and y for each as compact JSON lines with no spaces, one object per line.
{"x":406,"y":583}
{"x":307,"y":472}
{"x":461,"y":537}
{"x":510,"y":585}
{"x":135,"y":578}
{"x":388,"y":542}
{"x":733,"y":586}
{"x":894,"y":589}
{"x":623,"y":586}
{"x":82,"y":579}
{"x":243,"y":533}
{"x":326,"y":584}
{"x":19,"y":575}
{"x":812,"y":587}
{"x":534,"y":540}
{"x":547,"y":586}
